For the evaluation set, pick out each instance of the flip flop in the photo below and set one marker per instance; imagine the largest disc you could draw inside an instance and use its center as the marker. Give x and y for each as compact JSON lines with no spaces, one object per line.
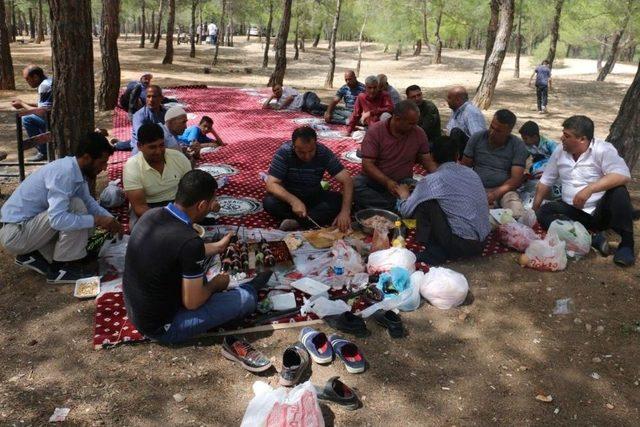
{"x":349,"y":353}
{"x":338,"y":392}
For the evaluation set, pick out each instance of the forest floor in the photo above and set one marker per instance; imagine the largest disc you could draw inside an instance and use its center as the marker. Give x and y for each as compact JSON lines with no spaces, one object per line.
{"x":477,"y":365}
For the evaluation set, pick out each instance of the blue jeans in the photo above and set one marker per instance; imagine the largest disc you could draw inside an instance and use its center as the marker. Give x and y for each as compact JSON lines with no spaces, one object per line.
{"x":220,"y":308}
{"x":123,"y":145}
{"x":35,"y":125}
{"x":541,"y":95}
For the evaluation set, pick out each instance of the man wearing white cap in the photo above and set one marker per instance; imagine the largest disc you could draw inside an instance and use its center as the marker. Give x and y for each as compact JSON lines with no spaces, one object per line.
{"x":175,"y":123}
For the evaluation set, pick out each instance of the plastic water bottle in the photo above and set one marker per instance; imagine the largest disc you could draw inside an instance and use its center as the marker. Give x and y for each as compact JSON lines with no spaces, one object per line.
{"x":338,"y":265}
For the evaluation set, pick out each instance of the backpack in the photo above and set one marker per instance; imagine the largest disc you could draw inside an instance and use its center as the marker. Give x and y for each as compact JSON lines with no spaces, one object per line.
{"x":126,"y":95}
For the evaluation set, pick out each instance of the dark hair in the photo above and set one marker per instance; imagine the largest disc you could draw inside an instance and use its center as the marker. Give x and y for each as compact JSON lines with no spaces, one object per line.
{"x":149,"y":132}
{"x":195,"y":186}
{"x":580,"y":125}
{"x":36,"y":71}
{"x":545,"y":62}
{"x":95,"y":145}
{"x":156,"y":88}
{"x":206,"y":119}
{"x":506,"y":117}
{"x":403,"y":108}
{"x":444,"y":149}
{"x":529,"y":128}
{"x":412,"y":88}
{"x":305,"y":133}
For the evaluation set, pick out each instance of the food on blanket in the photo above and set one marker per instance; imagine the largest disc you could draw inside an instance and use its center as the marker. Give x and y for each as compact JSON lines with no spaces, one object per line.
{"x":524,"y":260}
{"x":259,"y":258}
{"x":87,"y":288}
{"x":377,"y":222}
{"x":292,"y":242}
{"x":323,"y":238}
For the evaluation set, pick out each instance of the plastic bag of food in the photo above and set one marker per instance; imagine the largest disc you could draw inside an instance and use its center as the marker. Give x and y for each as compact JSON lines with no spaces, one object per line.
{"x":112,"y":196}
{"x":545,"y":255}
{"x":283,"y":407}
{"x":351,"y":259}
{"x":382,"y":261}
{"x":407,"y":300}
{"x":380,"y":240}
{"x":113,"y":252}
{"x":517,"y":236}
{"x":444,"y":288}
{"x":574,"y":235}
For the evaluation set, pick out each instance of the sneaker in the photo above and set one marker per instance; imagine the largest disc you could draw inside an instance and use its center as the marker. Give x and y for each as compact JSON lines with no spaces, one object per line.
{"x":37,"y":158}
{"x":600,"y":243}
{"x":35,"y":261}
{"x":317,"y":344}
{"x":349,"y":353}
{"x":295,"y":362}
{"x":390,"y":320}
{"x":242,"y":352}
{"x":624,"y":256}
{"x":67,"y":272}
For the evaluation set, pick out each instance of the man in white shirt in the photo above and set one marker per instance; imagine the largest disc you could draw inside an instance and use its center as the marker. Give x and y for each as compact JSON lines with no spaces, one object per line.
{"x":213,"y":33}
{"x":593,"y":178}
{"x":287,"y":98}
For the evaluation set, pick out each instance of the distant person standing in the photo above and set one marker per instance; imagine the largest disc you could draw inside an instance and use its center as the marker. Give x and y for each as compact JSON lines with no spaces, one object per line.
{"x":543,"y":84}
{"x":213,"y":33}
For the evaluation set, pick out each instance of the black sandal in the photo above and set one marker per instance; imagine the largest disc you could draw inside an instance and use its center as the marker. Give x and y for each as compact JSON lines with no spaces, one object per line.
{"x":338,"y":392}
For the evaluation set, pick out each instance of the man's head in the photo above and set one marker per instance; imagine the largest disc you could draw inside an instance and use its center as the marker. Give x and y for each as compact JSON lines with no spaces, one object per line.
{"x":383,"y":84}
{"x":145,"y":79}
{"x":371,"y":86}
{"x":577,"y":133}
{"x":545,"y":62}
{"x":304,"y":140}
{"x":206,"y":124}
{"x":414,"y":93}
{"x":350,"y":79}
{"x":444,"y":149}
{"x":93,"y":154}
{"x":277,"y":90}
{"x":34,"y":75}
{"x":151,"y":142}
{"x":196,"y":194}
{"x":530,"y":133}
{"x":175,"y":119}
{"x":405,"y":117}
{"x":154,"y":97}
{"x":456,"y":97}
{"x":501,"y":126}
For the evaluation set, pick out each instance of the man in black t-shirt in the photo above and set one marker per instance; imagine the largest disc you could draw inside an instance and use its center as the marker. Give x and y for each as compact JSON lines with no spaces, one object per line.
{"x":165,"y":289}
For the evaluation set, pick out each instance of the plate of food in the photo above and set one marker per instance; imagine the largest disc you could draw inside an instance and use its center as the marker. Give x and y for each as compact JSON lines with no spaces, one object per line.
{"x":370,"y":219}
{"x":87,"y":288}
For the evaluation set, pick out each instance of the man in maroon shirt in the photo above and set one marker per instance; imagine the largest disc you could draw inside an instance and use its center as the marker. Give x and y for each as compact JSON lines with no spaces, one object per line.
{"x":370,"y":105}
{"x":389,"y":150}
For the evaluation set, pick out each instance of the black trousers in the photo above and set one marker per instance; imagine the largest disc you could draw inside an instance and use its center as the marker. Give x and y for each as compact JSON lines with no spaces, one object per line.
{"x":460,"y":139}
{"x":434,"y":232}
{"x":614,"y":211}
{"x":541,"y":95}
{"x":322,"y":207}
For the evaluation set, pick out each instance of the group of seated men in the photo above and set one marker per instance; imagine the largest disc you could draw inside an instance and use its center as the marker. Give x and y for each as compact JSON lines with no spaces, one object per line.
{"x":47,"y":221}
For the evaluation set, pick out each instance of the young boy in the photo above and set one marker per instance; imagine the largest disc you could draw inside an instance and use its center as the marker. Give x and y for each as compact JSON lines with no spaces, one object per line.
{"x":195,"y":137}
{"x":540,"y":147}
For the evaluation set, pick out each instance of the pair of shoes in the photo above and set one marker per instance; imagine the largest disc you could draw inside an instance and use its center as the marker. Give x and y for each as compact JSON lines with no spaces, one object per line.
{"x":624,"y":256}
{"x":34,"y":261}
{"x":68,"y":272}
{"x":322,"y":349}
{"x":349,"y":323}
{"x":338,"y":392}
{"x":37,"y":158}
{"x":295,"y":362}
{"x":600,"y":243}
{"x":242,"y":352}
{"x":390,"y":320}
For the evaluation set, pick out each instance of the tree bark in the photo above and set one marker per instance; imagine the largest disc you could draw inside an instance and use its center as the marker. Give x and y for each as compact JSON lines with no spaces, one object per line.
{"x":156,"y":43}
{"x":492,"y":29}
{"x":438,"y":54}
{"x":555,"y":32}
{"x":296,"y":48}
{"x":425,"y":33}
{"x":418,"y":48}
{"x":40,"y":36}
{"x":316,"y":39}
{"x":484,"y":95}
{"x":192,"y":39}
{"x":360,"y":36}
{"x":72,"y":116}
{"x":32,"y":25}
{"x":7,"y":79}
{"x":328,"y":83}
{"x":110,"y":82}
{"x":281,"y":46}
{"x":220,"y":32}
{"x":265,"y":57}
{"x":624,"y":133}
{"x":171,"y":20}
{"x":615,"y":46}
{"x":230,"y":24}
{"x":516,"y":71}
{"x":152,"y":31}
{"x":143,"y":24}
{"x":602,"y":53}
{"x":13,"y":29}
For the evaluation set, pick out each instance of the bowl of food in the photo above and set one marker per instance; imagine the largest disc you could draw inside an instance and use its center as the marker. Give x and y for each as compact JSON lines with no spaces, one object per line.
{"x":370,"y":219}
{"x":87,"y":288}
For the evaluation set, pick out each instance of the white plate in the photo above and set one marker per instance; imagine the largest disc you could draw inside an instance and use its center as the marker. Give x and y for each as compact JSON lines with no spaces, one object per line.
{"x":310,"y":286}
{"x":81,"y":282}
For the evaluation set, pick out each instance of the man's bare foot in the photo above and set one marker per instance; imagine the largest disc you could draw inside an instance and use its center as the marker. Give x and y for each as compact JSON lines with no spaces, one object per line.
{"x":289,"y":225}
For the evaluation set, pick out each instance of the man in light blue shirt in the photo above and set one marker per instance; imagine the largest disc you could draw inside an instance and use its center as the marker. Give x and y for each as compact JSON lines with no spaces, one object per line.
{"x":466,"y":118}
{"x":153,"y":112}
{"x":347,"y":93}
{"x":47,"y":220}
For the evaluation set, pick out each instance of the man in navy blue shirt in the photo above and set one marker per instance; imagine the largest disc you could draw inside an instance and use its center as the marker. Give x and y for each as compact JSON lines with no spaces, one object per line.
{"x":348,"y":92}
{"x":543,"y":84}
{"x":294,"y":184}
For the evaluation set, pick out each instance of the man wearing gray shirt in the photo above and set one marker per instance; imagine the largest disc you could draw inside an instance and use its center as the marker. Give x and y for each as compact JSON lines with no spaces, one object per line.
{"x":499,"y":158}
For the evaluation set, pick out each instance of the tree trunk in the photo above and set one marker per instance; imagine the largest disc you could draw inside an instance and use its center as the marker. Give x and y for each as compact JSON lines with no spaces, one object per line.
{"x":438,"y":54}
{"x":555,"y":32}
{"x":418,"y":48}
{"x":152,"y":31}
{"x":168,"y":56}
{"x":230,"y":25}
{"x":328,"y":83}
{"x":110,"y":83}
{"x":492,"y":29}
{"x":156,"y":43}
{"x":192,"y":39}
{"x":425,"y":33}
{"x":40,"y":36}
{"x":602,"y":53}
{"x":32,"y":25}
{"x":281,"y":46}
{"x":316,"y":39}
{"x":220,"y":32}
{"x":615,"y":46}
{"x":13,"y":30}
{"x":296,"y":48}
{"x":7,"y":79}
{"x":72,"y":116}
{"x":265,"y":57}
{"x":364,"y":23}
{"x":143,"y":24}
{"x":487,"y":85}
{"x":516,"y":71}
{"x":624,"y":133}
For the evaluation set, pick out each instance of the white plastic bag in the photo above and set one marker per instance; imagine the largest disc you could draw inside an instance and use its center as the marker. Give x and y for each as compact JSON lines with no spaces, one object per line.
{"x":574,"y":235}
{"x":528,"y":218}
{"x":444,"y":288}
{"x":382,"y":261}
{"x":283,"y":407}
{"x":352,"y":260}
{"x":546,"y":255}
{"x":113,"y":252}
{"x":517,"y":236}
{"x":323,"y":306}
{"x":112,"y":196}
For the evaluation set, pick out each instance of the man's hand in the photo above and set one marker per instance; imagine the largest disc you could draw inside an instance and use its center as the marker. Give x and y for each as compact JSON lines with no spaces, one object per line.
{"x":327,"y":116}
{"x":582,"y":196}
{"x":392,"y":187}
{"x":365,"y":116}
{"x":491,"y":198}
{"x":109,"y":223}
{"x":299,"y":208}
{"x":343,"y":220}
{"x":17,"y":104}
{"x":224,"y":242}
{"x":403,"y":191}
{"x":195,"y":146}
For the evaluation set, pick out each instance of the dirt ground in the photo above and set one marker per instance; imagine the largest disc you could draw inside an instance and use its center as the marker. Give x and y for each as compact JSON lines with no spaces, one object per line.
{"x":478,"y":365}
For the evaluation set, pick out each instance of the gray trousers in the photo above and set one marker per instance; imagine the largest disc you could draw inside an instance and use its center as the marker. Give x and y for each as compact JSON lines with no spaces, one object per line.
{"x":341,"y":115}
{"x":36,"y":234}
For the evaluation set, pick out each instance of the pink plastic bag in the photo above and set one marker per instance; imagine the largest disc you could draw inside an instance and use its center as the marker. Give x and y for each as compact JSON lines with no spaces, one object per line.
{"x":517,"y":236}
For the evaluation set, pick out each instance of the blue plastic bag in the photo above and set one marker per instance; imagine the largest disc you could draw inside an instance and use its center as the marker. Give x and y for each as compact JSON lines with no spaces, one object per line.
{"x":394,"y":282}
